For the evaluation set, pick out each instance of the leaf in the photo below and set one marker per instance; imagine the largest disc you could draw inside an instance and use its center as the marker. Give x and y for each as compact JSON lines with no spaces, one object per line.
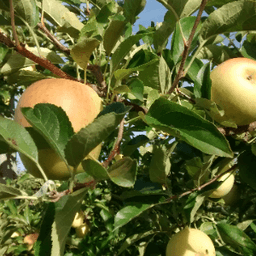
{"x":95,"y":169}
{"x":65,"y":210}
{"x":17,"y":61}
{"x":82,"y":51}
{"x":92,"y":135}
{"x":176,"y":11}
{"x":123,"y":49}
{"x":246,"y":163}
{"x":8,"y":192}
{"x":134,"y":143}
{"x":202,"y":84}
{"x":123,"y":172}
{"x":236,"y":238}
{"x":248,"y":50}
{"x":132,"y":8}
{"x":113,"y":32}
{"x":165,"y":76}
{"x":137,"y":88}
{"x":231,"y":17}
{"x":187,"y":126}
{"x":177,"y":44}
{"x":52,"y":123}
{"x":17,"y":138}
{"x":26,"y":9}
{"x":129,"y":213}
{"x":60,"y":16}
{"x":160,"y":165}
{"x":44,"y":243}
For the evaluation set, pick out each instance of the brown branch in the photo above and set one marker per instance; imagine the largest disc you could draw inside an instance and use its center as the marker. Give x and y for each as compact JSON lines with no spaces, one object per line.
{"x":116,"y":148}
{"x":95,"y":69}
{"x":187,"y":45}
{"x":203,"y":186}
{"x":54,"y":40}
{"x":135,"y":106}
{"x":13,"y":25}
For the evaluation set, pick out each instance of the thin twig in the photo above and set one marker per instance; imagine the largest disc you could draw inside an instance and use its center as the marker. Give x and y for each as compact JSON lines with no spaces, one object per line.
{"x":187,"y":45}
{"x":202,"y":186}
{"x":13,"y":25}
{"x":116,"y":148}
{"x":54,"y":40}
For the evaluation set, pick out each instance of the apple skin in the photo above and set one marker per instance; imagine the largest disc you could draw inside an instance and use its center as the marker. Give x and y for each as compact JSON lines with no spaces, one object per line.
{"x":81,"y":104}
{"x":234,"y":89}
{"x":225,"y":187}
{"x":30,"y":239}
{"x":190,"y":242}
{"x":82,"y":231}
{"x":78,"y":220}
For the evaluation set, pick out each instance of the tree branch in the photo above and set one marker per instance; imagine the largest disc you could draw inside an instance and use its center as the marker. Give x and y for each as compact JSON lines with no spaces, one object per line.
{"x":187,"y":45}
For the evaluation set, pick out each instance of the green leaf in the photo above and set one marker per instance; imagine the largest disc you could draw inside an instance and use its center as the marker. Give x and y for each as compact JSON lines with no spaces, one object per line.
{"x":165,"y":76}
{"x":82,"y":51}
{"x":65,"y":210}
{"x":235,"y":237}
{"x":123,"y":49}
{"x":92,"y":135}
{"x":187,"y":126}
{"x":8,"y":192}
{"x":132,"y":8}
{"x":52,"y":123}
{"x":231,"y":17}
{"x":248,"y":50}
{"x":137,"y":88}
{"x":177,"y":45}
{"x":129,"y":213}
{"x":60,"y":16}
{"x":133,"y":144}
{"x":202,"y":85}
{"x":160,"y":165}
{"x":17,"y":138}
{"x":113,"y":32}
{"x":246,"y":163}
{"x":176,"y":11}
{"x":95,"y":169}
{"x":17,"y":61}
{"x":123,"y":172}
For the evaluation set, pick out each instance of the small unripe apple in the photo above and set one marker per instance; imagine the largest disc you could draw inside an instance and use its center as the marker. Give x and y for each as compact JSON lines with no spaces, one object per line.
{"x":83,"y":230}
{"x":119,"y":157}
{"x":78,"y":220}
{"x":190,"y":242}
{"x":30,"y":239}
{"x":227,"y":184}
{"x":234,"y":89}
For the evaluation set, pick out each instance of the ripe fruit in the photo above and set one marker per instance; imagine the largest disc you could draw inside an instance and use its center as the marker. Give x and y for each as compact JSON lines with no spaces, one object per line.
{"x":30,"y":240}
{"x":83,"y":230}
{"x":233,"y":88}
{"x":81,"y":104}
{"x":225,"y":187}
{"x":190,"y":242}
{"x":78,"y":220}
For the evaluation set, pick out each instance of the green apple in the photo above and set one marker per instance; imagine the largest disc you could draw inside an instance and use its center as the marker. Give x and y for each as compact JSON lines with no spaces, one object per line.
{"x":190,"y":242}
{"x":227,"y":184}
{"x":234,"y":90}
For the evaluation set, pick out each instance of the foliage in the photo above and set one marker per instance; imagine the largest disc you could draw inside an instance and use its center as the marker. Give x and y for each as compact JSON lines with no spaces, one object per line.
{"x":173,"y":149}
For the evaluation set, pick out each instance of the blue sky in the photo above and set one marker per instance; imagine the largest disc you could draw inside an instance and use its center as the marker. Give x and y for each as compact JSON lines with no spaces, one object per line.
{"x":154,"y":11}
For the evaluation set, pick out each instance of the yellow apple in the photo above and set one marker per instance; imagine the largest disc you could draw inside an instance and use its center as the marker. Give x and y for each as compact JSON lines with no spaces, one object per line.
{"x":190,"y":242}
{"x":234,"y":89}
{"x":78,"y":220}
{"x":83,"y":230}
{"x":30,"y":239}
{"x":227,"y":184}
{"x":81,"y":104}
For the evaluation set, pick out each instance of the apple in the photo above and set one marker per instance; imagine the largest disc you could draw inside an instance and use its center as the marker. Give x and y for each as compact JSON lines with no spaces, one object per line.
{"x":227,"y":184}
{"x":78,"y":220}
{"x":82,"y":231}
{"x":81,"y":104}
{"x":234,"y":90}
{"x":190,"y":242}
{"x":30,"y":239}
{"x":119,"y":157}
{"x":233,"y":196}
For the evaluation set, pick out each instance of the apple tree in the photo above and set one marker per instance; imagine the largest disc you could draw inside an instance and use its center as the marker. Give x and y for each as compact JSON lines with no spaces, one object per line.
{"x":163,"y":151}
